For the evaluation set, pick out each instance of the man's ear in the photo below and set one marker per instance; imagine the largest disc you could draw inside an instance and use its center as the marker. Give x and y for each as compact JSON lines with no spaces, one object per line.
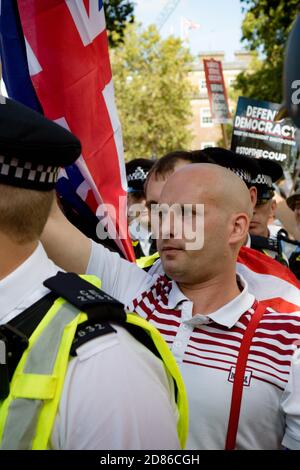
{"x":253,"y":195}
{"x":239,"y":228}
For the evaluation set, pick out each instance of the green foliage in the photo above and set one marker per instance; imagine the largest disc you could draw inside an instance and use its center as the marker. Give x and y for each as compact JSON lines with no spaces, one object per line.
{"x":118,"y":13}
{"x":265,"y":28}
{"x":152,"y":92}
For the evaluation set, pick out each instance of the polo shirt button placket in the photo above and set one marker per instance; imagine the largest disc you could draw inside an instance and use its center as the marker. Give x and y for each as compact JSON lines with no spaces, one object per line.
{"x":178,"y":350}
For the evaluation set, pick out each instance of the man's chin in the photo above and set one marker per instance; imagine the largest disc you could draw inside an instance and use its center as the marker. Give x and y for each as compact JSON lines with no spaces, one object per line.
{"x":171,"y":267}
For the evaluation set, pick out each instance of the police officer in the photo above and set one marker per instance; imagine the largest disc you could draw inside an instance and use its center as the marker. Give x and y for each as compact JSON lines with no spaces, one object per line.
{"x":137,"y":213}
{"x":264,"y":236}
{"x":68,"y":379}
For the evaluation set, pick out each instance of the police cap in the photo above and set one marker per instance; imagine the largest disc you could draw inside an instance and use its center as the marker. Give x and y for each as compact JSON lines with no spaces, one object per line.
{"x":137,"y":171}
{"x":270,"y":172}
{"x":32,"y":148}
{"x":244,"y":167}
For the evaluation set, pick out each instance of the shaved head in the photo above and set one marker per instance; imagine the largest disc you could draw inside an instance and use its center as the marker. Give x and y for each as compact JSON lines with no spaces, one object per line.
{"x":212,"y":183}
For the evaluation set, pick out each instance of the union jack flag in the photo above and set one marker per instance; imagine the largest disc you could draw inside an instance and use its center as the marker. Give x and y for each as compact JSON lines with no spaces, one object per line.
{"x":55,"y":59}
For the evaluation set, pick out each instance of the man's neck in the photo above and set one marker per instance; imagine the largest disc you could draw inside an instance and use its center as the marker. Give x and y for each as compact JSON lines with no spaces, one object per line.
{"x":210,"y":295}
{"x":12,"y":255}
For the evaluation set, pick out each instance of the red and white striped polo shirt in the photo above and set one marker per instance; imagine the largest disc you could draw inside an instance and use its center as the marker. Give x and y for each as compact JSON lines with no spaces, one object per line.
{"x":206,"y":348}
{"x":267,"y":279}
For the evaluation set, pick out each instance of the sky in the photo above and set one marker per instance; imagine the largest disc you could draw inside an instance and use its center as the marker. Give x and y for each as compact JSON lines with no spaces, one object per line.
{"x":220,"y":22}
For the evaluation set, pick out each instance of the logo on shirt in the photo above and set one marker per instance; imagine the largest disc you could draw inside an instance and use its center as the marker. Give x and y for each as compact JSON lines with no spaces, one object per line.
{"x":247,"y":376}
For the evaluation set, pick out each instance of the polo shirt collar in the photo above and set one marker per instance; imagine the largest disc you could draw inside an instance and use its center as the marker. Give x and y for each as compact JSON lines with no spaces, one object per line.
{"x":175,"y":296}
{"x":228,"y":315}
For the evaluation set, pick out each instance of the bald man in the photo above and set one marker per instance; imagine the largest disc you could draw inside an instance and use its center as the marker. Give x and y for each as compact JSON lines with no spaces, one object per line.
{"x":203,"y":308}
{"x":269,"y":281}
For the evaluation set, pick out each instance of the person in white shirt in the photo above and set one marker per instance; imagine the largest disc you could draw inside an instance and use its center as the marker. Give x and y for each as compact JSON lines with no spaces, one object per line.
{"x":203,"y":310}
{"x":116,"y":393}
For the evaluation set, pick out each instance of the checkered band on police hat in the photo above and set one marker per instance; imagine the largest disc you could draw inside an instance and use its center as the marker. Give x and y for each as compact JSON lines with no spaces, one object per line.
{"x":139,"y":174}
{"x":264,"y":180}
{"x":241,"y":173}
{"x":27,"y":174}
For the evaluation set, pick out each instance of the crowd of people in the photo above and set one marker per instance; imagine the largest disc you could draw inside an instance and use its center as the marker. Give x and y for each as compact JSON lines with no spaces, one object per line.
{"x":193,"y":346}
{"x":267,"y":232}
{"x":68,"y":345}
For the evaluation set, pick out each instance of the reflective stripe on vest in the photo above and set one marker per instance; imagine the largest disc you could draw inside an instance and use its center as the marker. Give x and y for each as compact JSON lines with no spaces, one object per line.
{"x":27,"y":415}
{"x":147,"y":261}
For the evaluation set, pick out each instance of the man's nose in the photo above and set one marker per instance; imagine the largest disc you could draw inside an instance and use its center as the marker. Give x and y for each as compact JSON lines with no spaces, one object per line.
{"x":166,"y":228}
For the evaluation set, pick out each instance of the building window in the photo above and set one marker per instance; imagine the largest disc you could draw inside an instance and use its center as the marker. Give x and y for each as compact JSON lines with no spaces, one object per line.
{"x":202,"y":86}
{"x":205,"y":118}
{"x":205,"y":145}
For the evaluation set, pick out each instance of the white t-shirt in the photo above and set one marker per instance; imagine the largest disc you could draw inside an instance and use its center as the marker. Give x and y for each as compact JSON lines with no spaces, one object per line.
{"x":206,"y":349}
{"x":116,"y":394}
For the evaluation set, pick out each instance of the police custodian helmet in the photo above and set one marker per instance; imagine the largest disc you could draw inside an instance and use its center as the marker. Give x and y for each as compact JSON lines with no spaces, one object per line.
{"x":270,"y":172}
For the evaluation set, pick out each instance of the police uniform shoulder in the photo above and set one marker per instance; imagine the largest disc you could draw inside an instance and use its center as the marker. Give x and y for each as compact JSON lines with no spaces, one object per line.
{"x":86,"y":296}
{"x":91,"y":346}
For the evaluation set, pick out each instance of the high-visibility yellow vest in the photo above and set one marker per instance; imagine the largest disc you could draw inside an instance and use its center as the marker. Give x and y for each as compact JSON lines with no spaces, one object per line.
{"x":27,"y":415}
{"x":147,"y":261}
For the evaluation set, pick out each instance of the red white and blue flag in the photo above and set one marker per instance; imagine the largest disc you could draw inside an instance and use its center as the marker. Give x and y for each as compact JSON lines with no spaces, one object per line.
{"x":55,"y":59}
{"x":270,"y":281}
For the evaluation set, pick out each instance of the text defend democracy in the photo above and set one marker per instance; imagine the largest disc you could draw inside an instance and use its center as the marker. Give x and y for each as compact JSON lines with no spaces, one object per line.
{"x":261,"y":120}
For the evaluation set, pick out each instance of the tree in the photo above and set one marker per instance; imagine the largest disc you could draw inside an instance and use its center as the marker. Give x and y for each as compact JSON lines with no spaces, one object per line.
{"x":118,"y":13}
{"x":265,"y":28}
{"x":152,"y":92}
